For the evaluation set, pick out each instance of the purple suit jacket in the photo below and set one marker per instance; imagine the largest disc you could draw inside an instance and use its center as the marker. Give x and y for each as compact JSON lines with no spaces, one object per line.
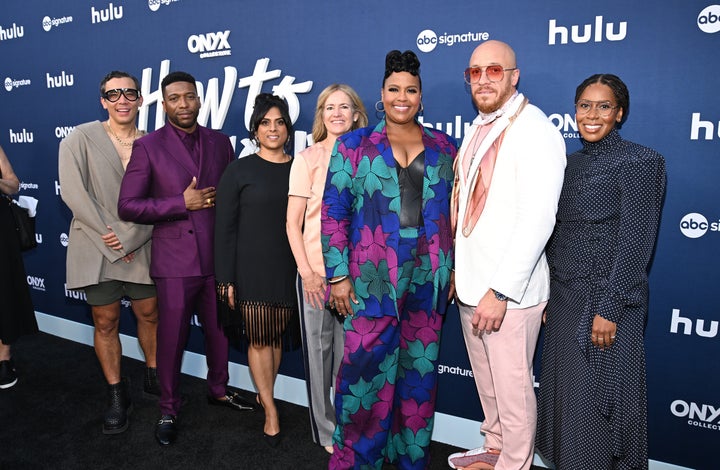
{"x":160,"y":170}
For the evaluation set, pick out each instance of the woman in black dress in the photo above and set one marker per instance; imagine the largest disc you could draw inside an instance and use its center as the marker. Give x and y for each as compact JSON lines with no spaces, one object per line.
{"x":255,"y":268}
{"x":592,"y":403}
{"x":17,"y":315}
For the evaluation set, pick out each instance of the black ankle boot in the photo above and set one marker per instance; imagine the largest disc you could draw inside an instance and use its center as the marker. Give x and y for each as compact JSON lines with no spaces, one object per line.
{"x":151,"y":384}
{"x":119,"y":407}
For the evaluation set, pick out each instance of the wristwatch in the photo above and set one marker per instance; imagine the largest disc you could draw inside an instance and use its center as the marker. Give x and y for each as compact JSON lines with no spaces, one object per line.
{"x":499,"y":296}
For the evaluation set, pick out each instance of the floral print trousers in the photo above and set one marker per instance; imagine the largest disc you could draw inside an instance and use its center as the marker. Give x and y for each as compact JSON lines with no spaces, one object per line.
{"x":387,"y":383}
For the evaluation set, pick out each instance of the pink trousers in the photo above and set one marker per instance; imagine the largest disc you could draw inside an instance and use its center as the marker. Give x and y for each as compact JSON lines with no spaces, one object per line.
{"x":502,"y":365}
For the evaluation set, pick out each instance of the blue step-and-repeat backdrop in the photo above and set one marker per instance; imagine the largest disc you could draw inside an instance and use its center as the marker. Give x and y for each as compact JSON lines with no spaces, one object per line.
{"x":53,"y":55}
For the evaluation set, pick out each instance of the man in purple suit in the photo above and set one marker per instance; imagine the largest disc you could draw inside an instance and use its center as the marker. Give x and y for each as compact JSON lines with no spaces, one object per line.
{"x":170,"y":183}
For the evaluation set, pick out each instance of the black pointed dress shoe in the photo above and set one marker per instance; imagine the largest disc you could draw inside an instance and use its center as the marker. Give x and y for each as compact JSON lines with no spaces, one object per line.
{"x":166,"y":430}
{"x":232,"y":400}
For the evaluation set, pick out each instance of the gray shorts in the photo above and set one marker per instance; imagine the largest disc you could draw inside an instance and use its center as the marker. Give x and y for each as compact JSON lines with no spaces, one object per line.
{"x":109,"y":292}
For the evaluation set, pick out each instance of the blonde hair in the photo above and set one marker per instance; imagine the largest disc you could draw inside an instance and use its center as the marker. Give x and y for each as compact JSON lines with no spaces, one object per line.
{"x":319,"y":131}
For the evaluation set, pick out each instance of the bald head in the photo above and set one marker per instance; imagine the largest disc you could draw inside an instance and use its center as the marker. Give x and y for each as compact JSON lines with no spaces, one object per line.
{"x":493,"y":52}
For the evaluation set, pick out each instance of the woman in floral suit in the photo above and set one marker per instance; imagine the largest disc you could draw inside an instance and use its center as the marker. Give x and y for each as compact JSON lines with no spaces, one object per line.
{"x":387,"y":245}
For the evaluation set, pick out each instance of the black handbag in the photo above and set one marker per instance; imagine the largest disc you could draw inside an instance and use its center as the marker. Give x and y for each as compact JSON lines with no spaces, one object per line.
{"x":24,"y":225}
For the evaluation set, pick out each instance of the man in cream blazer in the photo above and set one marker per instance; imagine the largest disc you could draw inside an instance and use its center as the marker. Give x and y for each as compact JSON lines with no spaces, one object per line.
{"x":107,"y":257}
{"x":509,"y":173}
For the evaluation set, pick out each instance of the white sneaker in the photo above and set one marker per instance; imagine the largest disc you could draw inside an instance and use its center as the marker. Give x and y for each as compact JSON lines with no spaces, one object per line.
{"x":479,"y":455}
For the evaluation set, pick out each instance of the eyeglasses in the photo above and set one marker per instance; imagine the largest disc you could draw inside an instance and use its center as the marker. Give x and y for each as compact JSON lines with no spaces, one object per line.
{"x":494,"y":73}
{"x":603,"y":108}
{"x":113,"y":95}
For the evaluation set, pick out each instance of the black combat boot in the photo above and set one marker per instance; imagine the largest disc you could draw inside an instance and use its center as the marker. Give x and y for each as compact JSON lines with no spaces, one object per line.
{"x":151,"y":384}
{"x":119,"y":407}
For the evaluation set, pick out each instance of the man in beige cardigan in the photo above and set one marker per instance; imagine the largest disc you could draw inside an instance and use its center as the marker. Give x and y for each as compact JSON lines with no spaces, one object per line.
{"x":107,"y":257}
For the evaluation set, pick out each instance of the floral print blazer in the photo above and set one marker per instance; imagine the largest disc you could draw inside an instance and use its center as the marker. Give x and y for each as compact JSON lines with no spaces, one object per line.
{"x":361,"y":222}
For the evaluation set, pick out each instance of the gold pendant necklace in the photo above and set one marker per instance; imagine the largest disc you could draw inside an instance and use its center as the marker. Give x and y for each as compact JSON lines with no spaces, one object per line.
{"x":119,"y":140}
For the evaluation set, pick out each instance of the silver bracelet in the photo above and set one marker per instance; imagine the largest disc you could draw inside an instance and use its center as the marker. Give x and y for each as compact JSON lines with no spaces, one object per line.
{"x":339,"y":279}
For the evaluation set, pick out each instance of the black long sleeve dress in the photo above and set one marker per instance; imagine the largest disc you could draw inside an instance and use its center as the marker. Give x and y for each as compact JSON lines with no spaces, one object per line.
{"x":253,"y":254}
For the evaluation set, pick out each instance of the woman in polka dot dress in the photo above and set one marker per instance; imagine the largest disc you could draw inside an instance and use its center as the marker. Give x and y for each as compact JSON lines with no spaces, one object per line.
{"x":592,"y":403}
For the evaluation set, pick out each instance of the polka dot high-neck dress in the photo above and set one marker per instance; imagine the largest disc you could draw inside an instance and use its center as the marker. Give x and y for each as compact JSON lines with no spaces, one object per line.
{"x":592,"y":404}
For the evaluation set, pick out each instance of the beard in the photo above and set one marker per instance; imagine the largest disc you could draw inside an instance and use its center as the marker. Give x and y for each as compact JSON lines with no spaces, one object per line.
{"x":486,"y":107}
{"x":487,"y":104}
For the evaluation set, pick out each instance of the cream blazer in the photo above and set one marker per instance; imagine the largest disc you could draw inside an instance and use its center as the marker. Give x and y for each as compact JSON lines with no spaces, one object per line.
{"x":505,"y":251}
{"x":90,"y":175}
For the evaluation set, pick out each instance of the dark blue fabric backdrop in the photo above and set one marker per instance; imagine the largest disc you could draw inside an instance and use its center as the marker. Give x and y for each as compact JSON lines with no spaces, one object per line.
{"x":53,"y":54}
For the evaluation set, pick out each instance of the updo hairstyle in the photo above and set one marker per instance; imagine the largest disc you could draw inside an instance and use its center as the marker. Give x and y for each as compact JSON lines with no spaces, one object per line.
{"x":396,"y":61}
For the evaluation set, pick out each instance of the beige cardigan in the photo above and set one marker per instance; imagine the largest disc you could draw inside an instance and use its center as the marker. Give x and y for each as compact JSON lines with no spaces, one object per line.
{"x":90,"y":175}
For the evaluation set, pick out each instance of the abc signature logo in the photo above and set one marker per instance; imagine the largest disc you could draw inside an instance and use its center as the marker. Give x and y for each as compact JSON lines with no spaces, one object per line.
{"x":695,"y":225}
{"x":427,"y":40}
{"x":709,"y":19}
{"x":154,"y":5}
